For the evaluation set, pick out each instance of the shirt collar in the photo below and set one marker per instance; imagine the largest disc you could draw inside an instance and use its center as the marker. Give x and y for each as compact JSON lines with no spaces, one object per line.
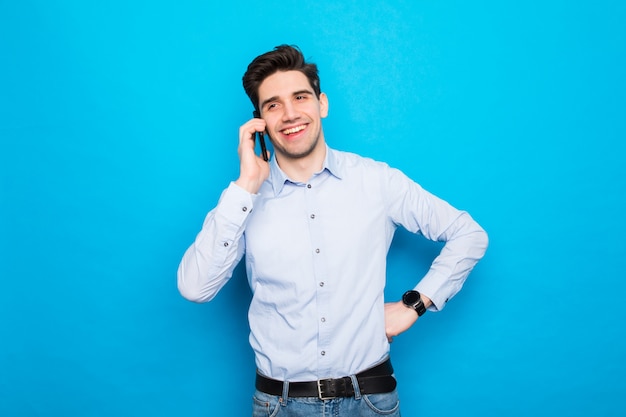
{"x":332,"y":164}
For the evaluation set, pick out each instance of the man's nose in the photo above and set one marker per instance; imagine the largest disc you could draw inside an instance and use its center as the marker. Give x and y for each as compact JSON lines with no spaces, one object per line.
{"x":290,"y":112}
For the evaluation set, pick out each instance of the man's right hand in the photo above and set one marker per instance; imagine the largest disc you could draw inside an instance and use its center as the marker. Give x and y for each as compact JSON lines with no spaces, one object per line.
{"x":253,"y":170}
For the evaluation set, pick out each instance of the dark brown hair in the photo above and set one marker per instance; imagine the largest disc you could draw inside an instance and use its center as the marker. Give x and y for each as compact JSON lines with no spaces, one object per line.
{"x":281,"y":58}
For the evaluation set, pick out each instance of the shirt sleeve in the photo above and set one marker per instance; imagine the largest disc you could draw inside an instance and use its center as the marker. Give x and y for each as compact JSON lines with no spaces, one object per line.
{"x":419,"y":211}
{"x":209,"y":262}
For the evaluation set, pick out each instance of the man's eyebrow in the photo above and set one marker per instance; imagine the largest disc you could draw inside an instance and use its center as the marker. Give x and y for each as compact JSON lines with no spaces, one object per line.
{"x":305,"y":91}
{"x":295,"y":93}
{"x":269,"y":100}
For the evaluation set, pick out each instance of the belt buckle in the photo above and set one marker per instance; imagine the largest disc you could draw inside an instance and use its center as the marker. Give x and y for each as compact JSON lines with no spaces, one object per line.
{"x":319,"y":390}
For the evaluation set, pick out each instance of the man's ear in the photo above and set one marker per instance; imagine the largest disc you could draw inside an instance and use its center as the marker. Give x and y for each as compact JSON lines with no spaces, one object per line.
{"x":323,"y":105}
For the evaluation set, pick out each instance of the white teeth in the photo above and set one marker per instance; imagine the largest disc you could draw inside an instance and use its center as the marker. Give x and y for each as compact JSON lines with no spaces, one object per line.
{"x":293,"y":130}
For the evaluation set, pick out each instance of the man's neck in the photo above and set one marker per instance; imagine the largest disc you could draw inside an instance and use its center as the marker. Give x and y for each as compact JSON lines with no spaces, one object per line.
{"x":302,"y":169}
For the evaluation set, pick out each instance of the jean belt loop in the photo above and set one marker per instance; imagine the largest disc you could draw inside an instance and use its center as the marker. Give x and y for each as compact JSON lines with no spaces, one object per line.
{"x":285,"y":396}
{"x":357,"y":388}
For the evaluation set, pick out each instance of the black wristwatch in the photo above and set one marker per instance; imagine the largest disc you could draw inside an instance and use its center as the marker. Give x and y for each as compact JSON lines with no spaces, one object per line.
{"x":413,"y":299}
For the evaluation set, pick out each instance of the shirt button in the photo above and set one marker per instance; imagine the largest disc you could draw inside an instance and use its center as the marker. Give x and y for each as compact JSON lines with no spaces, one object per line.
{"x":225,"y":244}
{"x":323,"y":319}
{"x":323,"y":353}
{"x":322,"y":284}
{"x":317,"y":251}
{"x":244,"y":209}
{"x":312,"y":216}
{"x":308,"y":186}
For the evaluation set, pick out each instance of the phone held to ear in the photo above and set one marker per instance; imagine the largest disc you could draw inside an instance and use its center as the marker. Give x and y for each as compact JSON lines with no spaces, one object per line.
{"x":261,"y":138}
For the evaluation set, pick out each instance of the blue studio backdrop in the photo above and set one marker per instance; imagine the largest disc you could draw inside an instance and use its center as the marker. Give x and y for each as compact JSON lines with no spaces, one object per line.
{"x":118,"y":131}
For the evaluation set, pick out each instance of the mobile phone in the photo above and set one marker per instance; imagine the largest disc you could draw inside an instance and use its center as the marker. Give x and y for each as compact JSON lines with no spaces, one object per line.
{"x":261,"y":138}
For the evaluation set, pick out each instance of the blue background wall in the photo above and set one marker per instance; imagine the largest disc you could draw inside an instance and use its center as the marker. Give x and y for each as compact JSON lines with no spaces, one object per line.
{"x":118,"y":129}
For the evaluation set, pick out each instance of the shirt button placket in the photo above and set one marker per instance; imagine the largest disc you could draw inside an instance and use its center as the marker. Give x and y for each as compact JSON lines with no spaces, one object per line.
{"x":315,"y":228}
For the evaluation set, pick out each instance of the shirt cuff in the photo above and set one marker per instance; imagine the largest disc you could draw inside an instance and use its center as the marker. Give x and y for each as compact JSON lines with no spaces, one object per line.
{"x":235,"y":204}
{"x":437,"y":289}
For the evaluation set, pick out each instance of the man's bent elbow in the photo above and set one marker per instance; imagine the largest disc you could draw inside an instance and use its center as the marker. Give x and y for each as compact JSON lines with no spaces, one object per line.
{"x":481,"y":241}
{"x":191,"y":291}
{"x":190,"y":294}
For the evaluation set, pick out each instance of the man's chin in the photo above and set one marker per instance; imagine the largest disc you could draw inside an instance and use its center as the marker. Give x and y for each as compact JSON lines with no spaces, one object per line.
{"x":294,"y":152}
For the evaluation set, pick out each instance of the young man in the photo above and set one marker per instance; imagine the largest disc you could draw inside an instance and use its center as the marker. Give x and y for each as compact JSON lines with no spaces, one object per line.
{"x":315,"y":225}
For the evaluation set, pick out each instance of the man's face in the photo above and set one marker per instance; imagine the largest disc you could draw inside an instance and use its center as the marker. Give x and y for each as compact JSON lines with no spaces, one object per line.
{"x":292,"y":114}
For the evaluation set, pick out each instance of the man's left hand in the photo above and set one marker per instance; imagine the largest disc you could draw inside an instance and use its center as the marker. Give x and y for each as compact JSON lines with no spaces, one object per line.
{"x":399,"y":318}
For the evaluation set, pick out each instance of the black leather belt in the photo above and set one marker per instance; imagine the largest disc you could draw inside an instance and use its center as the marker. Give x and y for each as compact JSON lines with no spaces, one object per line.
{"x":375,"y":380}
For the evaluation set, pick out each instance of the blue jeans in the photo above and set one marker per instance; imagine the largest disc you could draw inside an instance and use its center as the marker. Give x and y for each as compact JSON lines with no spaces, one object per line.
{"x":370,"y":405}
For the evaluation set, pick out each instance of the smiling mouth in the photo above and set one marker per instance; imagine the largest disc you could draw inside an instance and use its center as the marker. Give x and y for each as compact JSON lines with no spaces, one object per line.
{"x":293,"y":130}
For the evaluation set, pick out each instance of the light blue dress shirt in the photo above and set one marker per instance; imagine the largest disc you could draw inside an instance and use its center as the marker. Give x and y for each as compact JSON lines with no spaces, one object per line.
{"x":316,"y":261}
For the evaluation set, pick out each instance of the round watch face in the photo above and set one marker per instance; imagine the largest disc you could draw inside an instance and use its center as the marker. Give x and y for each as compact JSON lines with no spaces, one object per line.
{"x":411,"y":297}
